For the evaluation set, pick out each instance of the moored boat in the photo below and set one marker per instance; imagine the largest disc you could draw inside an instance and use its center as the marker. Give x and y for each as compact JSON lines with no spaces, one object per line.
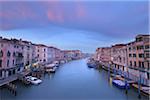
{"x":120,"y":84}
{"x":50,"y":68}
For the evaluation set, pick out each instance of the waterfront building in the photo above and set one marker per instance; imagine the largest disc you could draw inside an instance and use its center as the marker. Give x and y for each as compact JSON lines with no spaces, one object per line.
{"x":41,"y":53}
{"x":28,"y":52}
{"x":119,"y":57}
{"x":54,"y":54}
{"x":139,"y":57}
{"x":103,"y":55}
{"x":133,"y":58}
{"x":72,"y":54}
{"x":11,"y":57}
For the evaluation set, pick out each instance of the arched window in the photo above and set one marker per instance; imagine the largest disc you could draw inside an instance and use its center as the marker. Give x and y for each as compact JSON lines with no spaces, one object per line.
{"x":1,"y":53}
{"x":8,"y":54}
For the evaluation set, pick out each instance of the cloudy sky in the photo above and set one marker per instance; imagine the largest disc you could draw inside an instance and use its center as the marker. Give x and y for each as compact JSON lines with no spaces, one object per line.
{"x":83,"y":25}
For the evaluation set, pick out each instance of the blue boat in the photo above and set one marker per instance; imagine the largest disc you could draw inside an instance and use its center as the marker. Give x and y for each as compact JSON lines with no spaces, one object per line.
{"x":91,"y":65}
{"x":120,"y":84}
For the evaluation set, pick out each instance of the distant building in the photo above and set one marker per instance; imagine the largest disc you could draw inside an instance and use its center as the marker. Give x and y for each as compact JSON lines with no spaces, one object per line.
{"x":103,"y":55}
{"x":54,"y":54}
{"x":41,"y":53}
{"x":72,"y":54}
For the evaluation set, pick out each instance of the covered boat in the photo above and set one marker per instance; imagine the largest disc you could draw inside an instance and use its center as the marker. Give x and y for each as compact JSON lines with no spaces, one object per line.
{"x":121,"y":84}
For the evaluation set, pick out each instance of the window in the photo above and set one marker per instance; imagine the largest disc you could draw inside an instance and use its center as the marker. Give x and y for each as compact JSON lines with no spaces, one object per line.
{"x":124,"y":59}
{"x":0,"y":63}
{"x":147,"y":55}
{"x":44,"y":55}
{"x":134,"y":48}
{"x":148,"y":75}
{"x":148,"y":64}
{"x":129,"y":48}
{"x":8,"y":54}
{"x":44,"y":50}
{"x":139,"y":47}
{"x":130,"y":63}
{"x":13,"y":62}
{"x":1,"y":45}
{"x":38,"y":55}
{"x":140,"y":64}
{"x":147,"y":46}
{"x":7,"y":63}
{"x":141,"y":55}
{"x":1,"y":53}
{"x":130,"y":55}
{"x":28,"y":47}
{"x":135,"y":63}
{"x":134,"y":55}
{"x":38,"y":50}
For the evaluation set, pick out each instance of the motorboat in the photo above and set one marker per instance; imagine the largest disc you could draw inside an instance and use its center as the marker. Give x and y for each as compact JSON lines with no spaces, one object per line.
{"x":51,"y":68}
{"x":33,"y":80}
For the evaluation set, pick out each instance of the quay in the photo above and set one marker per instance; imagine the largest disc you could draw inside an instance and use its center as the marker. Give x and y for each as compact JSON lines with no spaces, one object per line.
{"x":8,"y":80}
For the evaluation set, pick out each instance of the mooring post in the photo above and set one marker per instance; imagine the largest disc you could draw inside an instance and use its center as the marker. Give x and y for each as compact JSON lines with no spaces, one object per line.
{"x":126,"y":83}
{"x":109,"y":72}
{"x":139,"y":87}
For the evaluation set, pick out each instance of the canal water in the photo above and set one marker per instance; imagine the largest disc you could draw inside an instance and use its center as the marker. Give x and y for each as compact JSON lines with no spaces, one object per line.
{"x":72,"y":81}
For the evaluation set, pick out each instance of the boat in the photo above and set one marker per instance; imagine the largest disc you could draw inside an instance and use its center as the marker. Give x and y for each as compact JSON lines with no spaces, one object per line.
{"x":91,"y":63}
{"x":51,"y":68}
{"x":56,"y":63}
{"x":33,"y":80}
{"x":120,"y":84}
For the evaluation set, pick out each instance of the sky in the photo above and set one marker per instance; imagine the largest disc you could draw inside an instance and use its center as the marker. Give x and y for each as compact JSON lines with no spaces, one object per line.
{"x":83,"y":25}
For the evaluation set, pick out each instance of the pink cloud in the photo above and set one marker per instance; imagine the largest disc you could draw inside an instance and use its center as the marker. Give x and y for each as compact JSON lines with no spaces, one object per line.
{"x":81,"y":11}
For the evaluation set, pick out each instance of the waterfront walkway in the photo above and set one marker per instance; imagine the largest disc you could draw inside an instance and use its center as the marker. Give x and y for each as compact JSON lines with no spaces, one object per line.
{"x":8,"y":80}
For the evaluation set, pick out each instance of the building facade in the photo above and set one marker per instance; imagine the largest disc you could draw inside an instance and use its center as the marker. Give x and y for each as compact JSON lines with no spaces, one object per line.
{"x":132,"y":58}
{"x":11,"y":57}
{"x":28,"y":52}
{"x":119,"y":57}
{"x":139,"y":56}
{"x":72,"y":54}
{"x":41,"y":53}
{"x":103,"y":55}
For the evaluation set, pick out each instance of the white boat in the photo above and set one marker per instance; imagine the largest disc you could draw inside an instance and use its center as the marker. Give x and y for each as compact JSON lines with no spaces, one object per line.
{"x":33,"y":80}
{"x":51,"y":68}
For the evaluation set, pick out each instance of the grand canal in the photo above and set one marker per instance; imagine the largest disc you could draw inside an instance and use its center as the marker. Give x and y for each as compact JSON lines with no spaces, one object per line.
{"x":73,"y":80}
